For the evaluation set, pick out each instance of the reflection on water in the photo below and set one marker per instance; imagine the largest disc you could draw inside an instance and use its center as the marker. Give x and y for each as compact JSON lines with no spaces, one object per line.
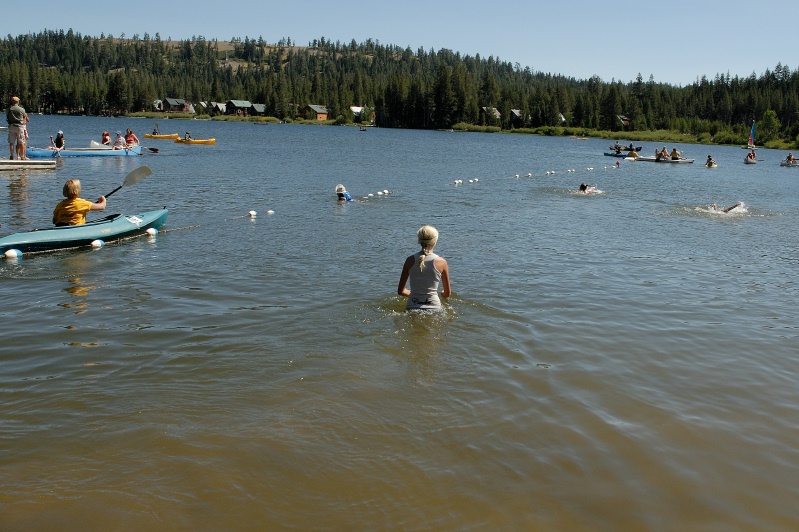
{"x":613,"y":361}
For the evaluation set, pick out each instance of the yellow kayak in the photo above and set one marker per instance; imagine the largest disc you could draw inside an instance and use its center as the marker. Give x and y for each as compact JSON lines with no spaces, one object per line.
{"x":196,"y":141}
{"x":164,"y":136}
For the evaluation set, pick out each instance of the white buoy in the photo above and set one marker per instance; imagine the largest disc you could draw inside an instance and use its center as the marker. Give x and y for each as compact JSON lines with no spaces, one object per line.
{"x":471,"y":181}
{"x":516,"y":176}
{"x":385,"y":192}
{"x":529,"y":175}
{"x":97,"y":243}
{"x":476,"y":180}
{"x":152,"y":231}
{"x":379,"y":193}
{"x":371,"y":195}
{"x":12,"y":253}
{"x":270,"y":211}
{"x":252,"y":214}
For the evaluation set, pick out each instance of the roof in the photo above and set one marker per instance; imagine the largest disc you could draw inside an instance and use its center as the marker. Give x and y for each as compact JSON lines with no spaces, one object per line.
{"x":174,"y":101}
{"x":259,"y":107}
{"x":239,"y":103}
{"x":318,"y":108}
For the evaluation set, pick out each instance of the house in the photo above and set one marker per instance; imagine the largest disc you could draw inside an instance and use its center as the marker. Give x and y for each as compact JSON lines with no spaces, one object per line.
{"x":358,"y":111}
{"x":492,"y":112}
{"x":217,"y":108}
{"x":516,"y":117}
{"x":238,"y":108}
{"x":259,"y":109}
{"x":177,"y":105}
{"x":314,"y":112}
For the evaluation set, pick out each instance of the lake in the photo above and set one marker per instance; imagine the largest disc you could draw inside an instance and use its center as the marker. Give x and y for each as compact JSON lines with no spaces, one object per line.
{"x":624,"y":360}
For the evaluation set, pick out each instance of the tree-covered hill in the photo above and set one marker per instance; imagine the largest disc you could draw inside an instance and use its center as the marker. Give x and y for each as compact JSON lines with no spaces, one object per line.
{"x":64,"y":72}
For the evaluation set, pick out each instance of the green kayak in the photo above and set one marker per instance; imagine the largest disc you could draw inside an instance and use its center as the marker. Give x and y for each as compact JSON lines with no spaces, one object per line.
{"x":109,"y":228}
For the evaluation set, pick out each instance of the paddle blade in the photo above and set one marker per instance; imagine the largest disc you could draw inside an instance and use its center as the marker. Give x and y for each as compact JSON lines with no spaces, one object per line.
{"x":137,"y":175}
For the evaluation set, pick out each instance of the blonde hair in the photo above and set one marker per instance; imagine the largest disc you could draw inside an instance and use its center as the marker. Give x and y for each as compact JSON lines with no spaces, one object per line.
{"x":427,"y":236}
{"x":72,"y":188}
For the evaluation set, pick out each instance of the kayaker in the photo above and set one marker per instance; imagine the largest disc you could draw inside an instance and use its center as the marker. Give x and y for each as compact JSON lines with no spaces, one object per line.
{"x":72,"y":211}
{"x":130,"y":138}
{"x":155,"y":129}
{"x":119,"y":141}
{"x":751,"y":155}
{"x":58,"y":141}
{"x":342,"y":193}
{"x":424,"y":271}
{"x":187,"y":136}
{"x":710,"y":162}
{"x":675,"y":155}
{"x":105,"y":140}
{"x":790,"y":159}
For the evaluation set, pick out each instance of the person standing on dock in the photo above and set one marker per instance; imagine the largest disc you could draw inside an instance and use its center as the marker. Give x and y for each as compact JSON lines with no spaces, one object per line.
{"x":16,"y":118}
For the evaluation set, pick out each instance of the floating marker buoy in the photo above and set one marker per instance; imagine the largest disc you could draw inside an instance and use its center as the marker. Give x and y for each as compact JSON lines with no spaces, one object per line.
{"x":252,"y":214}
{"x":152,"y":231}
{"x":476,"y":180}
{"x":270,"y":211}
{"x":529,"y":175}
{"x":471,"y":181}
{"x":371,"y":195}
{"x":385,"y":192}
{"x":97,"y":243}
{"x":12,"y":253}
{"x":379,"y":193}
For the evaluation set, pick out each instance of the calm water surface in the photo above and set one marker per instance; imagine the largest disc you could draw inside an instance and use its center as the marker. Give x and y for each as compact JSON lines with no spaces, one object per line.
{"x":617,"y":361}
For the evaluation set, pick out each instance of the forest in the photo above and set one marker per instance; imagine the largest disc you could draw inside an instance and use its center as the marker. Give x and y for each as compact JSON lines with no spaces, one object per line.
{"x":64,"y":72}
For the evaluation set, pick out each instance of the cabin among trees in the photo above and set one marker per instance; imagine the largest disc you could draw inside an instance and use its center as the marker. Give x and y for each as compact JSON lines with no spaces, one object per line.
{"x":314,"y":112}
{"x":176,"y":105}
{"x":238,"y":108}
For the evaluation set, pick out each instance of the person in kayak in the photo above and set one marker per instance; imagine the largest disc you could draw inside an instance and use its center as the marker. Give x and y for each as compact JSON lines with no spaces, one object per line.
{"x":72,"y":211}
{"x":187,"y":136}
{"x":342,"y":193}
{"x":425,"y":271}
{"x":58,"y":142}
{"x":675,"y":155}
{"x":119,"y":141}
{"x":130,"y":138}
{"x":710,"y":162}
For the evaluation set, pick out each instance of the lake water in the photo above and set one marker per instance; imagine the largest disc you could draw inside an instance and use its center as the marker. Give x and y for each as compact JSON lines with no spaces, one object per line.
{"x":616,"y":361}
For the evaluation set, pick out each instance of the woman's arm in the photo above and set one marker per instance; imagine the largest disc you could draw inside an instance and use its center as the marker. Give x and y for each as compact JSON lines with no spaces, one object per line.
{"x":406,"y":272}
{"x":443,"y":267}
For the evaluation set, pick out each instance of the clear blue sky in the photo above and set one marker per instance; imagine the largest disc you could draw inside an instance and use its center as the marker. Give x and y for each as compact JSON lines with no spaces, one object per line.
{"x":676,"y":41}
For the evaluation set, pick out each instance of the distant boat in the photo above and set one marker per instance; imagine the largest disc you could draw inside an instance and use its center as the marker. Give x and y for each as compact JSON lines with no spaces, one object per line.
{"x":751,"y":144}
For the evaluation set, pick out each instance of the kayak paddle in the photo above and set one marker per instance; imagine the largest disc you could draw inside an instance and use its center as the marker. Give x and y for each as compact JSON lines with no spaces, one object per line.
{"x":132,"y":178}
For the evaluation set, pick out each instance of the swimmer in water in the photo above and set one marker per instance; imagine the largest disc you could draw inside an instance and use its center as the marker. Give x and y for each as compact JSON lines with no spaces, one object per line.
{"x":726,"y":209}
{"x":585,"y":188}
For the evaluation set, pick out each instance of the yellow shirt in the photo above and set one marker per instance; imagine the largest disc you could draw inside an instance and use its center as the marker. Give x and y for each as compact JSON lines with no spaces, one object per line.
{"x":72,"y":211}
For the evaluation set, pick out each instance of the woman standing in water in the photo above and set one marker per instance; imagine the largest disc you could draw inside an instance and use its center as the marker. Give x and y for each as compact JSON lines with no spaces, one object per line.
{"x":425,"y":270}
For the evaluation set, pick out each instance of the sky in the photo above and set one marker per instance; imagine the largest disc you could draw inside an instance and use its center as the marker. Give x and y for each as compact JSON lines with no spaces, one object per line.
{"x":676,"y":42}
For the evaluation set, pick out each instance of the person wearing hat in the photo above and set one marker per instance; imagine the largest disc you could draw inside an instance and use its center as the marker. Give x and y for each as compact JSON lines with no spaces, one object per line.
{"x":17,"y":131}
{"x":187,"y":136}
{"x":119,"y":141}
{"x":424,"y":272}
{"x":342,"y":193}
{"x":58,"y":142}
